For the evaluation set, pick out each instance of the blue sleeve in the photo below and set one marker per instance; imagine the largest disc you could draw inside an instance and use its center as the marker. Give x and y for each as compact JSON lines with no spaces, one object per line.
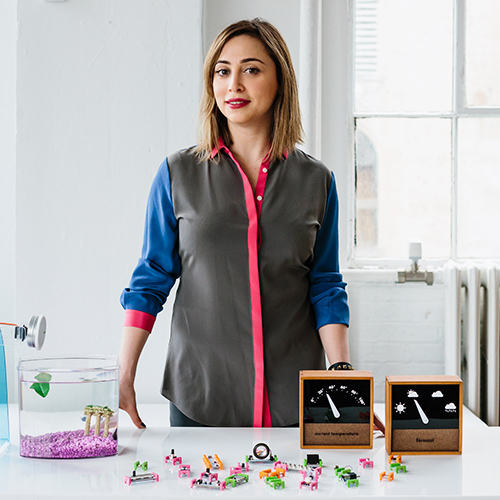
{"x":159,"y":265}
{"x":327,"y":290}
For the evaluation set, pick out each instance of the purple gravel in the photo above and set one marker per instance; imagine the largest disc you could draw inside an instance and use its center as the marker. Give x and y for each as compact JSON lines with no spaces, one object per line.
{"x":67,"y":444}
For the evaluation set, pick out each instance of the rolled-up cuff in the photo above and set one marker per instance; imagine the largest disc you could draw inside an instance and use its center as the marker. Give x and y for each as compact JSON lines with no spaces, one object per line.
{"x":332,"y":310}
{"x":139,"y":319}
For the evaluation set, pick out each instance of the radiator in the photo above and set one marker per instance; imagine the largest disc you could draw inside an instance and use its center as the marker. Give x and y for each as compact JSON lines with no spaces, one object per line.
{"x":472,"y":345}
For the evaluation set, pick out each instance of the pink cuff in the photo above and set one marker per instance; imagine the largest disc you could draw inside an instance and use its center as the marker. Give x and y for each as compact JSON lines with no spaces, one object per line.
{"x":139,"y":319}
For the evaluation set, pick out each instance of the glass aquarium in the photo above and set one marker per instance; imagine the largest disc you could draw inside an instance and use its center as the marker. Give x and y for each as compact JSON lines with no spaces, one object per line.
{"x":68,"y":407}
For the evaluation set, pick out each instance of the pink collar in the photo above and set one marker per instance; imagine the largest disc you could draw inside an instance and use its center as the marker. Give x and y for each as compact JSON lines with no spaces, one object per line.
{"x":220,"y":146}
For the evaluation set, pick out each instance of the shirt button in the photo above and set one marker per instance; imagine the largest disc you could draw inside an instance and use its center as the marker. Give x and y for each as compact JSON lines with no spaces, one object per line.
{"x":259,"y":198}
{"x":264,"y":170}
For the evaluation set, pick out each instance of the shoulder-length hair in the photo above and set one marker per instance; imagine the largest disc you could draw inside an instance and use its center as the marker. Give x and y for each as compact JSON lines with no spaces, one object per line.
{"x":286,"y":129}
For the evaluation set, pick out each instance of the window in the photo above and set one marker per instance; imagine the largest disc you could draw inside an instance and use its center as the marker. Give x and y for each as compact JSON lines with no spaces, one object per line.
{"x":426,"y":116}
{"x":366,"y":193}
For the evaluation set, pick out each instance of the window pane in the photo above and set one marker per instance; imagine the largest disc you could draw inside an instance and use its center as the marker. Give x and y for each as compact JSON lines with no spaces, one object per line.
{"x":403,"y":186}
{"x":403,"y":55}
{"x":478,"y":188}
{"x":482,"y":60}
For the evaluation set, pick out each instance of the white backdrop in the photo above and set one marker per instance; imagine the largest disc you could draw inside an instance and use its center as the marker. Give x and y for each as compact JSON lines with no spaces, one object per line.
{"x":105,"y":89}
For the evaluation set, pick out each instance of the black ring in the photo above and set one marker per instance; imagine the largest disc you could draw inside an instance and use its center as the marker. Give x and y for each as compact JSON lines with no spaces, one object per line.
{"x":258,"y":455}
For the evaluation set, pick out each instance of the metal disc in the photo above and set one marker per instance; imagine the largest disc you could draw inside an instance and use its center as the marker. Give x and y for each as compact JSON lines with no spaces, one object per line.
{"x":36,"y":332}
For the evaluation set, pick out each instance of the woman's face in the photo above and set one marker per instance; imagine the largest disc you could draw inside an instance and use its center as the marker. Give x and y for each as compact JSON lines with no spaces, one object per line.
{"x":245,"y":83}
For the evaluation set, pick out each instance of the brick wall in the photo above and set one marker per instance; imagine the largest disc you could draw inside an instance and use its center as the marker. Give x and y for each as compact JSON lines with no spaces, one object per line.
{"x":396,"y":329}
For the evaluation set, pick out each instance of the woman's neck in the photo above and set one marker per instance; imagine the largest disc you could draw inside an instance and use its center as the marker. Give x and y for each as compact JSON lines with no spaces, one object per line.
{"x":250,"y":144}
{"x":250,"y":147}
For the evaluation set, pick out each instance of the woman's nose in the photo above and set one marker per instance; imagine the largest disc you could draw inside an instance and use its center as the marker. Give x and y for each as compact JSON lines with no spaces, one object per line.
{"x":235,"y":84}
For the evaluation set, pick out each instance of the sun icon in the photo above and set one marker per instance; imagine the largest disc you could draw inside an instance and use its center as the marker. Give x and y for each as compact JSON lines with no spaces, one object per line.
{"x":400,"y":408}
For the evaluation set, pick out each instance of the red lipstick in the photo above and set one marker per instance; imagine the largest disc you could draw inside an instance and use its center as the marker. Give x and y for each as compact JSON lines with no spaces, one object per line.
{"x":237,"y":103}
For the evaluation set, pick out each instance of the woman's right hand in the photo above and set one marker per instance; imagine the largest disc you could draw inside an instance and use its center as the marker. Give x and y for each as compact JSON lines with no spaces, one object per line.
{"x":128,"y":403}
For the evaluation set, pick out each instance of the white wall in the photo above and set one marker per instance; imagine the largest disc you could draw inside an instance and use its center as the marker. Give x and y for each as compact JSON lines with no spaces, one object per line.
{"x":396,"y":329}
{"x":105,"y":90}
{"x":284,"y":14}
{"x":8,"y":19}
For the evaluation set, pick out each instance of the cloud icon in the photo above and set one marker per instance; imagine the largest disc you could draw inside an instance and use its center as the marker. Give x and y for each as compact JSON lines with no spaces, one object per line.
{"x":412,"y":394}
{"x":437,"y":394}
{"x":450,"y":407}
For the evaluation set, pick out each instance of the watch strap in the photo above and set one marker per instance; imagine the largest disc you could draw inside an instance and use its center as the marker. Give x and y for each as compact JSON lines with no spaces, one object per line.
{"x":342,"y":365}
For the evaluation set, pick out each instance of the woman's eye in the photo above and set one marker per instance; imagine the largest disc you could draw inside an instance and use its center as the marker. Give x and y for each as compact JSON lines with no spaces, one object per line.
{"x":222,"y":72}
{"x":252,"y":71}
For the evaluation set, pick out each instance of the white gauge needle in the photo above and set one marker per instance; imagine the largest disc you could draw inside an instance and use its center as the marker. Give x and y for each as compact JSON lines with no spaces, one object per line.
{"x":336,"y":413}
{"x":423,"y":416}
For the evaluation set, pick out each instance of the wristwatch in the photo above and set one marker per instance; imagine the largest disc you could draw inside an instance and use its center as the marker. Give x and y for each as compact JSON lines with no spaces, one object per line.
{"x":342,"y":365}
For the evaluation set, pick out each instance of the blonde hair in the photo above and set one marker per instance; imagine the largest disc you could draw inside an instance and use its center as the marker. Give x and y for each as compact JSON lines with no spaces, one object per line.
{"x":287,"y":128}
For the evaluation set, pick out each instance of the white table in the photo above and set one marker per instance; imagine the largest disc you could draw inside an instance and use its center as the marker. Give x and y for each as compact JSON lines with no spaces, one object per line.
{"x":474,"y":474}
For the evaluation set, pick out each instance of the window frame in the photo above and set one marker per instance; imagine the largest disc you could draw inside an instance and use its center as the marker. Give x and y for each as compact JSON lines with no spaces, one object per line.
{"x":459,"y":110}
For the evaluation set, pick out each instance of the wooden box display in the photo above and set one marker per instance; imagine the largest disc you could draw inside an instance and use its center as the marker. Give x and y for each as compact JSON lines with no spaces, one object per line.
{"x":336,"y":409}
{"x":423,"y":414}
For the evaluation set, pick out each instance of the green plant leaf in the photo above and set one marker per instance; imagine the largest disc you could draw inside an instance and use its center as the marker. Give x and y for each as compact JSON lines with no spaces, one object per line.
{"x":42,"y":387}
{"x":44,"y":377}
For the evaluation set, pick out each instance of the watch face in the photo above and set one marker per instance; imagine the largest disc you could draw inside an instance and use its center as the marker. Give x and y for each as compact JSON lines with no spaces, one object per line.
{"x":423,"y":406}
{"x":336,"y":401}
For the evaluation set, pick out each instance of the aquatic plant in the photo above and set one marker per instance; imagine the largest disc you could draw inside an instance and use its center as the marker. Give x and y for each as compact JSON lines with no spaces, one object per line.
{"x":42,"y":387}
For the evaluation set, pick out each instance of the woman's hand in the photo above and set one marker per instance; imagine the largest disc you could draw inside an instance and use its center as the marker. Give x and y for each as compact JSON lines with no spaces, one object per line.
{"x":128,"y":403}
{"x":133,"y":340}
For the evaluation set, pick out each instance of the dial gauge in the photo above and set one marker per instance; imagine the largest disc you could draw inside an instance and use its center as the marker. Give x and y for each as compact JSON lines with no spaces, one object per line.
{"x":423,"y":406}
{"x":336,"y":401}
{"x":423,"y":414}
{"x":336,"y":409}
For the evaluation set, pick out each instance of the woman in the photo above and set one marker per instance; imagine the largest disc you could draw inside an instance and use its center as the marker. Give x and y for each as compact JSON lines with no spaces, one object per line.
{"x":249,"y":224}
